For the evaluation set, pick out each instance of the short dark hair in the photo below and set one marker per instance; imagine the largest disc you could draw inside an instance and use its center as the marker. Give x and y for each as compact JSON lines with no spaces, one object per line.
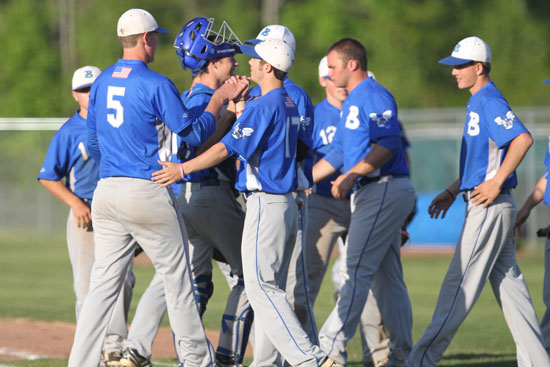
{"x":279,"y":74}
{"x":130,"y":41}
{"x":486,"y":68}
{"x":351,"y":49}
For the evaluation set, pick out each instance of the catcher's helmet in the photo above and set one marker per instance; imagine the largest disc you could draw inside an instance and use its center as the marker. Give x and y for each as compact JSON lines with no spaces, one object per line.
{"x":196,"y":43}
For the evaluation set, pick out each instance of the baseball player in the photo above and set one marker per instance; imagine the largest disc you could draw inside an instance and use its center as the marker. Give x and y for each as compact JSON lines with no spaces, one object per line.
{"x":204,"y":195}
{"x":329,"y":218}
{"x":68,"y":158}
{"x":264,"y":138}
{"x":493,"y":144}
{"x":296,"y":287}
{"x":541,"y":193}
{"x":369,"y":150}
{"x":132,"y":113}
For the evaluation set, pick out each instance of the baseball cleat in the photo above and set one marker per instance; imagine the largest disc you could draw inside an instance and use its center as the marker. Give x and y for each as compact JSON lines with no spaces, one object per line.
{"x":226,"y":361}
{"x":381,"y":363}
{"x":329,"y":362}
{"x":111,"y":359}
{"x":132,"y":358}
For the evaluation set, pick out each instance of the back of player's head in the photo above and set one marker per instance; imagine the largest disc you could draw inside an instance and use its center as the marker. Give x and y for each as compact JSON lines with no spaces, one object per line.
{"x":275,"y":52}
{"x":470,"y":50}
{"x":351,"y":49}
{"x":280,"y":32}
{"x":197,"y":42}
{"x":133,"y":23}
{"x":84,"y":77}
{"x":137,"y":21}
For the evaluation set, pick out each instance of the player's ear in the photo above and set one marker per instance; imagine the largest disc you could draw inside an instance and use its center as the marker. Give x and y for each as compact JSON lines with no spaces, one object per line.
{"x":147,"y":38}
{"x":479,"y":68}
{"x":353,"y":64}
{"x":74,"y":95}
{"x":322,"y":82}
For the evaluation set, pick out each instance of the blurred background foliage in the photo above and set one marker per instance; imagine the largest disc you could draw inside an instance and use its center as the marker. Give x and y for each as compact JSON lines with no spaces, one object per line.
{"x":43,"y":42}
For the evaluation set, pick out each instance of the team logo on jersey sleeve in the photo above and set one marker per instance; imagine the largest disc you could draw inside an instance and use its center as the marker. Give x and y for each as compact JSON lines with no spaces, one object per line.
{"x":241,"y":133}
{"x":381,"y":119}
{"x":506,"y":120}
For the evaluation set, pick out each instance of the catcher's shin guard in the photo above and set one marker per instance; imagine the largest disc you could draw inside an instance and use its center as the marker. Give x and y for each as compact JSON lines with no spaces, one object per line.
{"x":236,"y":326}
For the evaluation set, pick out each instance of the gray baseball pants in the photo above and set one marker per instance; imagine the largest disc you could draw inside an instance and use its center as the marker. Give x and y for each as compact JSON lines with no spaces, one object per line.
{"x":297,"y":287}
{"x":124,"y":209}
{"x":377,"y":212}
{"x":80,"y":242}
{"x":199,"y":206}
{"x":269,"y":237}
{"x":486,"y":251}
{"x":374,"y":347}
{"x":545,"y":322}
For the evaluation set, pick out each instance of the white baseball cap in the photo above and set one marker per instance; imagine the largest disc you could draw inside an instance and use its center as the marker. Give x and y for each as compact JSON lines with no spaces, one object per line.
{"x":273,"y":51}
{"x":469,"y":49}
{"x":280,"y":32}
{"x":85,"y":76}
{"x":323,"y":67}
{"x":370,"y":74}
{"x":137,"y":21}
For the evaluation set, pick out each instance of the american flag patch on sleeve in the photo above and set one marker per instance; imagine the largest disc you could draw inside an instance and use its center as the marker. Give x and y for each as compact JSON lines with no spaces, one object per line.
{"x":289,"y":103}
{"x":121,"y":72}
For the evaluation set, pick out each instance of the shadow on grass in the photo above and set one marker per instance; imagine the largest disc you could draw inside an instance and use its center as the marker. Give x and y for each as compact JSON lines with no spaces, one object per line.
{"x":480,"y":360}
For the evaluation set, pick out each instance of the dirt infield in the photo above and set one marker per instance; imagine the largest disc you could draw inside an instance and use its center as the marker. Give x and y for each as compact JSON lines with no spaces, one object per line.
{"x":24,"y":339}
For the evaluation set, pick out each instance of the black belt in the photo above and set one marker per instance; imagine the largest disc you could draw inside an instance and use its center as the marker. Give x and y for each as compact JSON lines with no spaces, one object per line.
{"x":210,"y":181}
{"x":246,"y":194}
{"x":365,"y":180}
{"x":466,"y":193}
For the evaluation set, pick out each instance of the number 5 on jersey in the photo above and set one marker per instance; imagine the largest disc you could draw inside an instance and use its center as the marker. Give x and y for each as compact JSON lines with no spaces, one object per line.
{"x":115,"y":119}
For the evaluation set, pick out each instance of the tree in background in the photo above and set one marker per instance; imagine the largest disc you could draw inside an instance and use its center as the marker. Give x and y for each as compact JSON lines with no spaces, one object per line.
{"x":404,"y":40}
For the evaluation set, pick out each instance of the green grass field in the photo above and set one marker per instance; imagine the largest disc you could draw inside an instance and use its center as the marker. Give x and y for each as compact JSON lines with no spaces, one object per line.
{"x":36,"y":283}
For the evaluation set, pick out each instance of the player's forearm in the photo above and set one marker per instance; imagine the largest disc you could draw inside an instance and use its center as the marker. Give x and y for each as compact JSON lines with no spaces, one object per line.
{"x":454,"y":188}
{"x":536,"y":196}
{"x":321,"y":170}
{"x":216,"y":103}
{"x":376,"y":158}
{"x":223,"y":125}
{"x":216,"y":154}
{"x":61,"y":192}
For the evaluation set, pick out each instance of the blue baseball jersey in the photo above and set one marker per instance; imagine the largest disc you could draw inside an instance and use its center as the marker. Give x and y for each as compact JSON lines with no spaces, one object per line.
{"x":546,"y":197}
{"x":133,"y":112}
{"x":265,"y":138}
{"x":195,"y":100}
{"x":67,"y":158}
{"x":369,"y":114}
{"x":327,"y":118}
{"x":489,"y":128}
{"x":305,"y":108}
